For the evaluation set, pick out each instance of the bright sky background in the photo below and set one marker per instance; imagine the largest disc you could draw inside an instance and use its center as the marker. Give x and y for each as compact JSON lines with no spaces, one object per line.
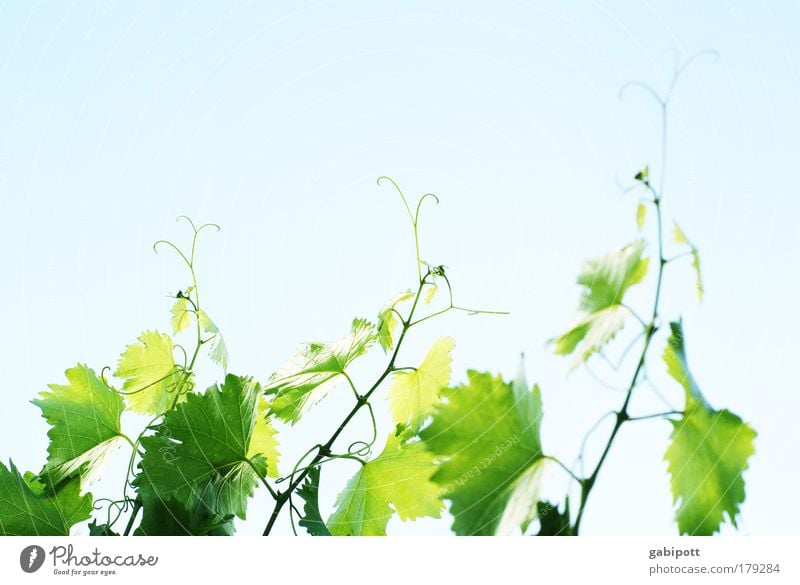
{"x":275,"y":119}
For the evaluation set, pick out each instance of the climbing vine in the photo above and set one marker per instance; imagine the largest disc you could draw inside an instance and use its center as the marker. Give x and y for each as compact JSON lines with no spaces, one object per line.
{"x":473,"y":448}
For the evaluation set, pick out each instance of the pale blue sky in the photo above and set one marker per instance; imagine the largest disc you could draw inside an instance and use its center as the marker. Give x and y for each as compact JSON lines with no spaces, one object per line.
{"x":274,"y":120}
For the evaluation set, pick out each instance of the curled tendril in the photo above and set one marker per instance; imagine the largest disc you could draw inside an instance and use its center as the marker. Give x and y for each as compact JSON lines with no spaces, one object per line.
{"x":185,"y":355}
{"x":121,"y":505}
{"x":413,"y":216}
{"x":190,"y":259}
{"x":678,"y":72}
{"x":173,"y":370}
{"x":419,"y":205}
{"x":589,"y":433}
{"x":400,"y":192}
{"x":359,"y":449}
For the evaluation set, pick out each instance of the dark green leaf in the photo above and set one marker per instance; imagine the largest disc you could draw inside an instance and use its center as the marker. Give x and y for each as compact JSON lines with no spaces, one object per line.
{"x":312,"y":518}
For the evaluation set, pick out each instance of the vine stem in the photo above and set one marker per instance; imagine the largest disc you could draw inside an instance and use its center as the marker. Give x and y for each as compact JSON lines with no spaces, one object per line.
{"x":622,"y":415}
{"x":324,"y":451}
{"x":137,"y":505}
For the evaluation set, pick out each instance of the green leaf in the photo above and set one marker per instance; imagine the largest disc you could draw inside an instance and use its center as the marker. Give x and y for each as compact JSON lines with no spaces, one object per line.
{"x":643,"y":175}
{"x":85,"y":425}
{"x":397,"y":481}
{"x":552,"y":521}
{"x":150,"y":374}
{"x":431,"y":293}
{"x":96,"y":529}
{"x":387,"y":320}
{"x":414,"y":394}
{"x":314,"y":370}
{"x":26,"y":510}
{"x":680,"y":238}
{"x":641,"y":214}
{"x":173,"y":518}
{"x":486,"y":435}
{"x":181,"y":315}
{"x":217,"y":350}
{"x":708,"y":453}
{"x":312,"y":518}
{"x":209,"y":449}
{"x":605,"y":280}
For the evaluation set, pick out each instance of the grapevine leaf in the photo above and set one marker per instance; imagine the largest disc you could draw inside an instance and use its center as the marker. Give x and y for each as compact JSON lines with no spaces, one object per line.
{"x":552,"y":521}
{"x":173,"y":518}
{"x":680,"y":238}
{"x":397,"y":481}
{"x":486,"y":435}
{"x":96,"y":529}
{"x":312,"y":518}
{"x":605,"y":280}
{"x":26,"y":510}
{"x":387,"y":320}
{"x":641,"y":214}
{"x":181,"y":315}
{"x":431,"y":293}
{"x":213,"y":448}
{"x":414,"y":394}
{"x":708,"y":453}
{"x":150,"y":374}
{"x":314,"y":370}
{"x":217,"y":350}
{"x":85,"y":425}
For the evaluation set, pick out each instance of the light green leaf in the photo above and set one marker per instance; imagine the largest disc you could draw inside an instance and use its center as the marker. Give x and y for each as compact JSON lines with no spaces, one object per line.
{"x":85,"y":425}
{"x":29,"y":508}
{"x":486,"y":436}
{"x":314,"y":370}
{"x":431,"y":293}
{"x":150,"y":373}
{"x":387,"y":320}
{"x":641,"y":214}
{"x":414,"y":394}
{"x":680,"y":237}
{"x":217,"y":350}
{"x":592,"y":332}
{"x":708,"y":453}
{"x":605,"y":280}
{"x":263,"y":440}
{"x":212,"y":448}
{"x":397,"y":481}
{"x":181,"y":315}
{"x":312,"y":518}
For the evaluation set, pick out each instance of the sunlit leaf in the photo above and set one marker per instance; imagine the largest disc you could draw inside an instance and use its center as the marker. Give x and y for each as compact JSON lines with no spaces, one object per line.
{"x":151,"y":377}
{"x":601,"y":315}
{"x":708,"y":453}
{"x":84,"y":416}
{"x":641,"y":214}
{"x":181,"y":315}
{"x":217,"y":350}
{"x":414,"y":394}
{"x":486,"y":438}
{"x":388,"y":319}
{"x":680,"y":238}
{"x":314,"y":370}
{"x":396,"y":482}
